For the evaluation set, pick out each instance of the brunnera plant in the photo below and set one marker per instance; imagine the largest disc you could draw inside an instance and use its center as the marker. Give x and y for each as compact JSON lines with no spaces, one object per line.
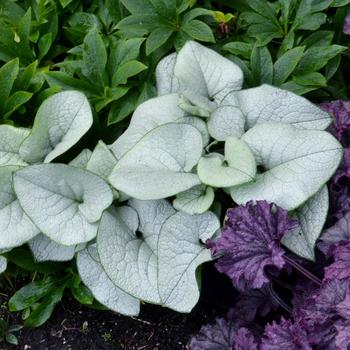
{"x":136,"y":213}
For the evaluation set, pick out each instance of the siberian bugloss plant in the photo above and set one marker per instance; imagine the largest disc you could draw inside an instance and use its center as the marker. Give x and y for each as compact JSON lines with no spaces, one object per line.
{"x":137,"y":213}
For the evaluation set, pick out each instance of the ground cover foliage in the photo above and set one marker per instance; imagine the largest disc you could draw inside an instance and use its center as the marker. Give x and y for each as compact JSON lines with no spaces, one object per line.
{"x":141,"y":139}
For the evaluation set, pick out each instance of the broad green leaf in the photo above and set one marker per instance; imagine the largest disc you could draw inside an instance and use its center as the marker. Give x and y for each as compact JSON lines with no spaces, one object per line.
{"x":261,"y":65}
{"x":226,"y":121}
{"x":239,"y":48}
{"x":103,"y":289}
{"x":311,"y":79}
{"x":44,"y":310}
{"x":94,"y":57}
{"x":157,"y":38}
{"x":15,"y":226}
{"x":66,"y":82}
{"x":196,"y":200}
{"x":204,"y":75}
{"x":167,"y":83}
{"x":3,"y":264}
{"x":286,"y":64}
{"x":138,"y":6}
{"x":311,"y":217}
{"x":44,"y":249}
{"x":81,"y":160}
{"x":160,"y":164}
{"x":237,"y":167}
{"x":296,"y":162}
{"x":126,"y":71}
{"x":270,"y":104}
{"x":11,"y":139}
{"x":31,"y":293}
{"x":317,"y":57}
{"x":61,"y":200}
{"x":198,"y":30}
{"x":8,"y":74}
{"x":59,"y":124}
{"x":153,"y":264}
{"x":155,"y":112}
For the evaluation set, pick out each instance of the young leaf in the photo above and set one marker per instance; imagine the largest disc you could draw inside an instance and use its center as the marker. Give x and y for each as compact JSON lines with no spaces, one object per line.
{"x":61,"y":200}
{"x":160,"y":164}
{"x":311,"y":217}
{"x":103,"y":289}
{"x":236,"y":168}
{"x":297,"y":164}
{"x":196,"y":200}
{"x":59,"y":124}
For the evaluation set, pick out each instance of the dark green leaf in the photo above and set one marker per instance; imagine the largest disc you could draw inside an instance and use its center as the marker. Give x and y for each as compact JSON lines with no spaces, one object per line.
{"x":110,"y":96}
{"x":319,"y":38}
{"x":194,"y":13}
{"x":198,"y":30}
{"x":157,"y":38}
{"x":261,"y":65}
{"x":83,"y":295}
{"x":297,"y":88}
{"x":15,"y":101}
{"x":31,"y":293}
{"x":316,"y":58}
{"x":127,"y":70}
{"x":94,"y":57}
{"x":43,"y":312}
{"x":11,"y":339}
{"x":26,"y":76}
{"x":123,"y":108}
{"x":8,"y":74}
{"x":332,"y":67}
{"x":66,"y":82}
{"x":138,"y":6}
{"x":286,"y":64}
{"x":239,"y":48}
{"x":44,"y":44}
{"x":311,"y":79}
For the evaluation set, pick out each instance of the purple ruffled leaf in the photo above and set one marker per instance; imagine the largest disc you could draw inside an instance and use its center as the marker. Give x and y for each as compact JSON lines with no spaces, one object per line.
{"x":343,"y":308}
{"x":285,"y":335}
{"x":245,"y":340}
{"x":342,"y":338}
{"x":250,"y":241}
{"x":338,"y":234}
{"x":253,"y":302}
{"x":218,"y":336}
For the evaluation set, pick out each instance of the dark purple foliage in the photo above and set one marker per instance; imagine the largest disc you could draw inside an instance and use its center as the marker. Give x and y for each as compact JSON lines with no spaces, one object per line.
{"x":338,"y":234}
{"x":340,"y":268}
{"x":285,"y":335}
{"x":253,"y":302}
{"x":223,"y":335}
{"x":347,"y":25}
{"x":250,"y":241}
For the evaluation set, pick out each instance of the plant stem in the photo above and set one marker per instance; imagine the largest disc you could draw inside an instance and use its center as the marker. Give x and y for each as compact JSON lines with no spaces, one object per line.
{"x":278,"y":300}
{"x":302,"y":270}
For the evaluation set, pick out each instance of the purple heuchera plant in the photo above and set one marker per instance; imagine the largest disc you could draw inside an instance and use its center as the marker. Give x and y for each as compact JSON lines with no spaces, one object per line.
{"x":250,"y":241}
{"x":223,"y":335}
{"x":347,"y":25}
{"x":340,"y":269}
{"x":340,"y":183}
{"x":285,"y":335}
